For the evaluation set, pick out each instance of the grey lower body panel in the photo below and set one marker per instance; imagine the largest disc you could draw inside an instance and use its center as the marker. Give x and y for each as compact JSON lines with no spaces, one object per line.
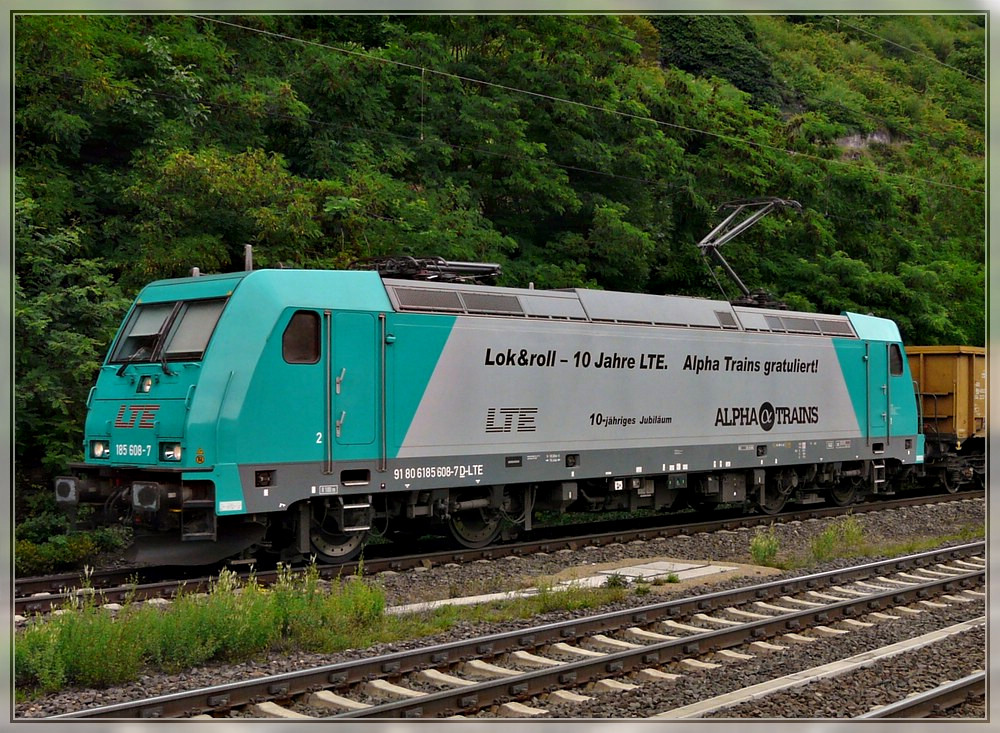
{"x":292,"y":482}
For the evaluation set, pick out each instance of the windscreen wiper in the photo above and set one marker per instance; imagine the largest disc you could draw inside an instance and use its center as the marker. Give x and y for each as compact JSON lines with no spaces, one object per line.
{"x":163,"y":363}
{"x":123,"y":367}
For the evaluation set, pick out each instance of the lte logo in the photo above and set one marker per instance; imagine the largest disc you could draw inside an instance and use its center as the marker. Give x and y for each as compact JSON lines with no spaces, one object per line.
{"x":145,"y":414}
{"x":511,"y":419}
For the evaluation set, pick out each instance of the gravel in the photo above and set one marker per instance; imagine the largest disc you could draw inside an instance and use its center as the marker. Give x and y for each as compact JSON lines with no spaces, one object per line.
{"x":858,"y":692}
{"x":838,"y":697}
{"x":892,"y":526}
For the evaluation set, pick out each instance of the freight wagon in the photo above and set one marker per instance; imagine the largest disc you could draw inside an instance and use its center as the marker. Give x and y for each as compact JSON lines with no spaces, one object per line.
{"x":951,"y":392}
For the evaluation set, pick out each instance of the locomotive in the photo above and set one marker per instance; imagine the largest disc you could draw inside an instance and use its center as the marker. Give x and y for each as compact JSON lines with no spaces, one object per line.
{"x":299,"y":411}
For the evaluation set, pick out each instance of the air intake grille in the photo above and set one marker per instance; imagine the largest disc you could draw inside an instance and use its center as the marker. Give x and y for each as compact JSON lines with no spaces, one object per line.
{"x":836,"y":328}
{"x":428,"y":300}
{"x":726,"y":319}
{"x":800,"y":325}
{"x":490,"y":303}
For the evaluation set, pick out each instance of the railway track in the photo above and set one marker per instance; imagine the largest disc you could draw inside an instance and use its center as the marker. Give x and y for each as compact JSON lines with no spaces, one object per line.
{"x":538,"y":671}
{"x":941,"y":698}
{"x":42,"y":594}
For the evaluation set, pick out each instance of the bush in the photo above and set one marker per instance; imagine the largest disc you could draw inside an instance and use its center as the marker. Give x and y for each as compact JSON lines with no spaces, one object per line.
{"x":41,"y":528}
{"x":62,"y":552}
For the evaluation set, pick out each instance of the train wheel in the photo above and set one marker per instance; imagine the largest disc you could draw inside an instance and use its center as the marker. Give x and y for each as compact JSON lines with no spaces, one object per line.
{"x":328,"y":539}
{"x":475,"y":528}
{"x":844,"y":493}
{"x":777,"y":489}
{"x":473,"y":522}
{"x":774,"y":500}
{"x":949,"y":482}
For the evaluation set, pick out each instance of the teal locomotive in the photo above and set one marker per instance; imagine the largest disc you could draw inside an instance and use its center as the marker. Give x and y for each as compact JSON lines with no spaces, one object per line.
{"x":298,"y":411}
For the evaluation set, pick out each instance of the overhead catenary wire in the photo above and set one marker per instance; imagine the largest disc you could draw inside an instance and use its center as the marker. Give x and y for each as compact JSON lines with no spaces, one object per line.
{"x":584,"y":105}
{"x":859,"y":29}
{"x":357,"y":129}
{"x":819,"y":102}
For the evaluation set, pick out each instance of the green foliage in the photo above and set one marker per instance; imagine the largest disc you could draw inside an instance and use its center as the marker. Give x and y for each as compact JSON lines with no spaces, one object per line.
{"x":234,"y":623}
{"x":844,"y":538}
{"x":725,"y":46}
{"x":66,"y":308}
{"x":59,"y":651}
{"x":36,"y":553}
{"x":616,"y":580}
{"x":239,"y":620}
{"x":42,"y":540}
{"x":42,"y":527}
{"x":764,"y":546}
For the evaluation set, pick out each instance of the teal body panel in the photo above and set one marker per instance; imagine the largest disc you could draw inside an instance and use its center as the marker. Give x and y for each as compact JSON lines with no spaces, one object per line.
{"x":873,"y":328}
{"x":242,"y":403}
{"x":884,"y":403}
{"x":418,"y":342}
{"x":135,"y":423}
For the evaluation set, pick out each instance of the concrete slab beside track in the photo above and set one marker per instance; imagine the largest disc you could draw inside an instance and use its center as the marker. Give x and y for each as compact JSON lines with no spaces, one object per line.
{"x":648,"y":571}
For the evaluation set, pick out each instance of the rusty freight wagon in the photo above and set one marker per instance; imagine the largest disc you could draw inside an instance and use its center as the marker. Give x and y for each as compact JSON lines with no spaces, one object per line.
{"x":950,"y":383}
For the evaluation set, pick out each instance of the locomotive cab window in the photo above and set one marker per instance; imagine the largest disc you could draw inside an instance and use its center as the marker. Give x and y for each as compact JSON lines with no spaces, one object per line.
{"x":174,"y":331}
{"x":143,"y":329}
{"x":895,"y":360}
{"x":192,"y":328}
{"x":300,"y":342}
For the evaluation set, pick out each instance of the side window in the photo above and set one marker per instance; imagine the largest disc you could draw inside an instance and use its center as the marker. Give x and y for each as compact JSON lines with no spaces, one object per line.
{"x":300,"y":342}
{"x":895,"y":360}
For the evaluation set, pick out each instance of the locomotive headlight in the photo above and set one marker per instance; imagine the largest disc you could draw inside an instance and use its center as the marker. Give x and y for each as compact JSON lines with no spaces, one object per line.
{"x":145,"y":384}
{"x":170,"y":451}
{"x":100,"y":448}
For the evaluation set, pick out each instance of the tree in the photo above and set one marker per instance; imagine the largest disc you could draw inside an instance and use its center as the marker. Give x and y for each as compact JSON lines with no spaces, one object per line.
{"x":66,"y":311}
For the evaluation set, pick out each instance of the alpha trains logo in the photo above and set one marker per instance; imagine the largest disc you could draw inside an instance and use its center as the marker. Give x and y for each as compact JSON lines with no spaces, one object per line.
{"x":766,"y":416}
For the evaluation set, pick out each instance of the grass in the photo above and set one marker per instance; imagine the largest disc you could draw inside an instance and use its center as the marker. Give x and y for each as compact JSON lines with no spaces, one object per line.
{"x":665,"y":579}
{"x":845,"y":538}
{"x":239,"y":620}
{"x":764,"y":546}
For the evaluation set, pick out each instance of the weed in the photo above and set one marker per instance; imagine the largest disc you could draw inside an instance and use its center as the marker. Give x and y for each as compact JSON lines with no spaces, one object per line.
{"x":764,"y":546}
{"x":843,"y":538}
{"x":823,"y":546}
{"x":668,"y":578}
{"x":616,"y":580}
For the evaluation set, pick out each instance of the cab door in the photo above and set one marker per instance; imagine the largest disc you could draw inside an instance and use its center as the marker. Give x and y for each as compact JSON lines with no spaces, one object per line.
{"x":877,"y":358}
{"x":354,"y":373}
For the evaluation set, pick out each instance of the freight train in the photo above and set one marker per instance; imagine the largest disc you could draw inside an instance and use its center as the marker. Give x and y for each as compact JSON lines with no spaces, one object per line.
{"x":297,"y":411}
